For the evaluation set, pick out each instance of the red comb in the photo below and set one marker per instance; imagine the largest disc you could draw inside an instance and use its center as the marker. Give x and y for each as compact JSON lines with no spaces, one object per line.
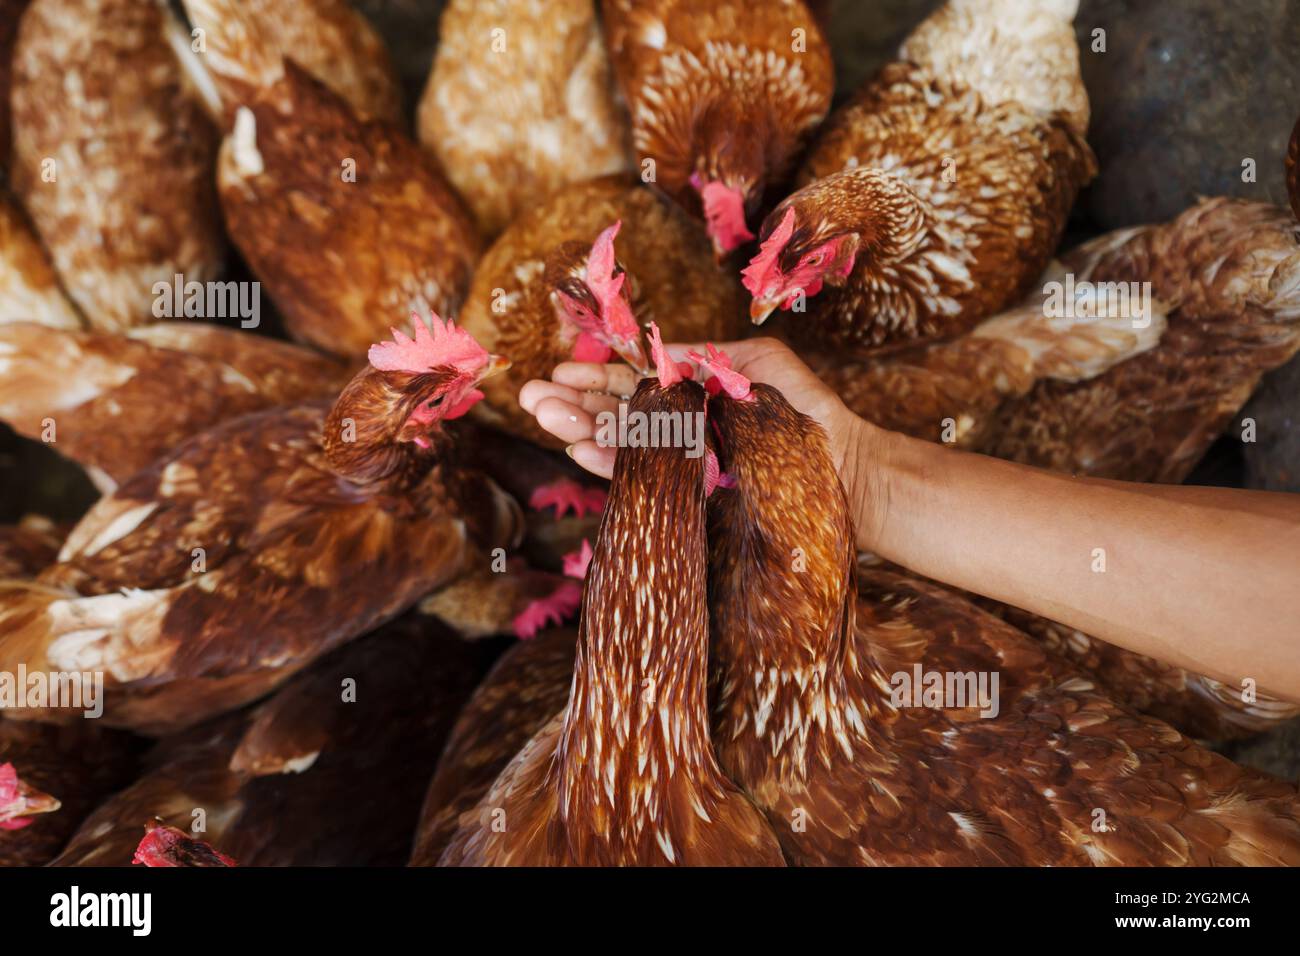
{"x":724,"y":210}
{"x":607,"y":287}
{"x":577,"y":562}
{"x":724,"y":378}
{"x":168,"y":846}
{"x":8,"y":783}
{"x":757,"y":274}
{"x":437,"y":344}
{"x":670,"y":372}
{"x":714,"y":476}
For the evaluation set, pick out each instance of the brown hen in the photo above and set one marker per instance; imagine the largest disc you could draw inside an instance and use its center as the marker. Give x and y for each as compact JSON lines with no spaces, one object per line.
{"x":55,"y":777}
{"x":327,"y":38}
{"x":937,"y":195}
{"x":626,"y":773}
{"x":346,"y":221}
{"x":116,"y":403}
{"x":520,"y":103}
{"x":327,"y":772}
{"x":112,"y":156}
{"x":536,"y":297}
{"x":812,"y":717}
{"x":1228,"y":275}
{"x":225,"y":567}
{"x":721,"y":96}
{"x":527,"y":686}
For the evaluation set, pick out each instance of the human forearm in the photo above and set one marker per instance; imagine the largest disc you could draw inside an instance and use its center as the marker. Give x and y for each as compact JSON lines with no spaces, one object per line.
{"x":1176,"y":573}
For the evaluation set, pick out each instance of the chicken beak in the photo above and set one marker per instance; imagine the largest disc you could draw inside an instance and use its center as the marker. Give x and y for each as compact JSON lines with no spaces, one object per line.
{"x":30,"y":803}
{"x":496,"y":364}
{"x":760,"y":309}
{"x":629,"y":350}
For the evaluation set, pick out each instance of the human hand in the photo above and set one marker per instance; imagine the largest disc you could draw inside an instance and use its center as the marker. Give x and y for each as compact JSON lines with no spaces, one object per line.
{"x":567,"y":405}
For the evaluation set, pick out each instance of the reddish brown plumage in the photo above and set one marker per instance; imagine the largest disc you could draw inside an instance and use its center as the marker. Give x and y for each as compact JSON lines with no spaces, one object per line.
{"x":1228,"y":275}
{"x":672,"y":279}
{"x":945,"y":189}
{"x":79,"y":765}
{"x":346,"y":222}
{"x":527,"y":686}
{"x":247,"y":40}
{"x":28,"y":547}
{"x":626,"y":774}
{"x":726,"y":91}
{"x":318,"y":774}
{"x":520,"y":103}
{"x":315,"y":524}
{"x":29,"y":288}
{"x":128,"y":200}
{"x":806,"y":723}
{"x":120,"y":402}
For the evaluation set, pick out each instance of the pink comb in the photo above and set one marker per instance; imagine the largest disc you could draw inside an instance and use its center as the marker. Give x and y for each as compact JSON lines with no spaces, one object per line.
{"x":168,"y":846}
{"x":724,"y":378}
{"x":568,"y":495}
{"x":607,"y":286}
{"x":714,"y":476}
{"x":577,"y":562}
{"x":758,"y":275}
{"x":670,"y":372}
{"x":442,"y":343}
{"x":8,"y":783}
{"x":724,"y":209}
{"x":553,"y":609}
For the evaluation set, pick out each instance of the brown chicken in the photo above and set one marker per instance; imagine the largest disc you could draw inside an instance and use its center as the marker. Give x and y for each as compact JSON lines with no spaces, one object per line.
{"x":626,"y":773}
{"x":50,"y":780}
{"x":815,"y":719}
{"x":329,"y":771}
{"x":327,"y":38}
{"x":722,"y":96}
{"x":347,"y":222}
{"x":210,"y":577}
{"x":1196,"y":705}
{"x":953,"y":391}
{"x":552,"y":289}
{"x":29,"y":288}
{"x":116,"y":403}
{"x":1228,"y":273}
{"x":527,"y":686}
{"x":937,"y":196}
{"x":114,"y":160}
{"x":520,"y":103}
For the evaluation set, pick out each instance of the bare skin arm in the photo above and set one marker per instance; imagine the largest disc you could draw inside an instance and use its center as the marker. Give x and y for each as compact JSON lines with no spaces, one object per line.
{"x":1205,"y":578}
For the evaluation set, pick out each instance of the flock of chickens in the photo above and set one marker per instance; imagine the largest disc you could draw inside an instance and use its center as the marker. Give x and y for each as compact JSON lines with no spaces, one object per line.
{"x":301,"y":542}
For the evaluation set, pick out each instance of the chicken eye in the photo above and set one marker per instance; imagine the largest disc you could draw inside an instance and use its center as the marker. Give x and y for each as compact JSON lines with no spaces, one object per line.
{"x":814,"y":260}
{"x":434,"y":402}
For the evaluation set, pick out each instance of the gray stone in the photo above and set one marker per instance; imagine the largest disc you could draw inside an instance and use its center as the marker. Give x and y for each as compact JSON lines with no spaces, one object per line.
{"x":1186,"y":90}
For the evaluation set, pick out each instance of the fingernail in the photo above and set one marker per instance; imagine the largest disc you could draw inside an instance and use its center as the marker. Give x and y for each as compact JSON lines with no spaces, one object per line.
{"x":568,"y":450}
